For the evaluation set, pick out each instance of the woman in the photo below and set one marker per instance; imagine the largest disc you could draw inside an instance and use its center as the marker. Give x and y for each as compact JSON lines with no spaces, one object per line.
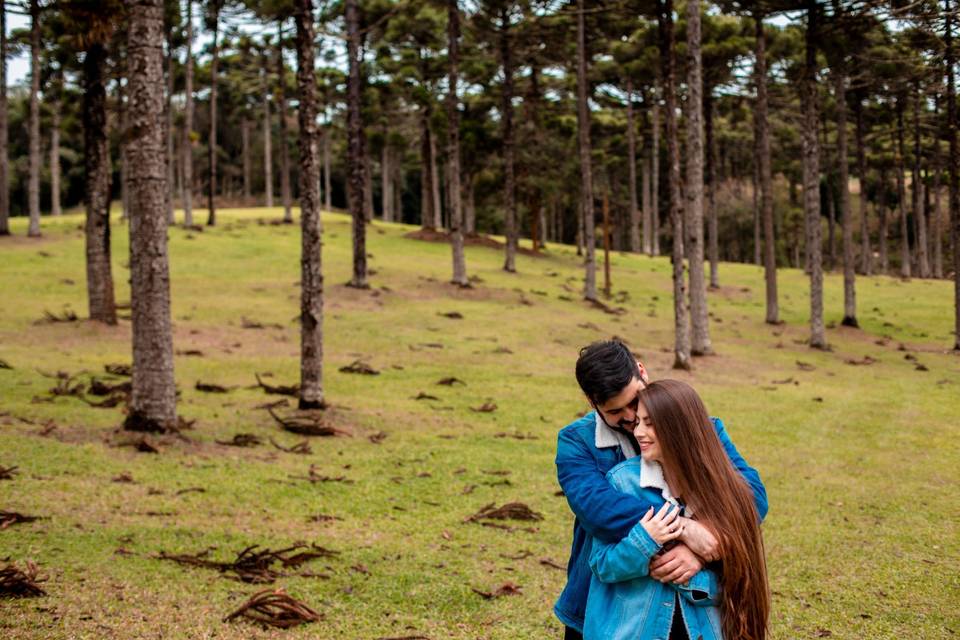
{"x":682,"y":465}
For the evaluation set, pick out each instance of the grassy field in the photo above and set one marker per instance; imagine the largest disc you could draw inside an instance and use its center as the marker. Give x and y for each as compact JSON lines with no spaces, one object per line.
{"x":860,"y":461}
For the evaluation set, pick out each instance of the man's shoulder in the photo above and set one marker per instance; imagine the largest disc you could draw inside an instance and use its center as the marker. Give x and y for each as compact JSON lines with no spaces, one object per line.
{"x":580,"y":427}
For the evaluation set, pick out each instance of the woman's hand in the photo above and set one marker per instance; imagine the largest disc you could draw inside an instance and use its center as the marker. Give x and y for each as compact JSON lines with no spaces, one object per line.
{"x":664,"y":525}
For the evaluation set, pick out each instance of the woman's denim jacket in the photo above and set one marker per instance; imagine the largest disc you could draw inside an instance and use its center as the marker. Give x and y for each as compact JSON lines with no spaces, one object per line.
{"x":624,"y":602}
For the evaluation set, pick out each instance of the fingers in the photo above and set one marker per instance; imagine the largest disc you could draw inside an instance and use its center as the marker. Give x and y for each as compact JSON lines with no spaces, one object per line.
{"x":674,"y":575}
{"x":685,"y":578}
{"x":647,"y":516}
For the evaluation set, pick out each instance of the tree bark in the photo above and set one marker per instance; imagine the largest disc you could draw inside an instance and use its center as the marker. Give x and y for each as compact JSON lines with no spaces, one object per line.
{"x":632,"y":172}
{"x":846,"y":219}
{"x":469,"y":205}
{"x":509,"y":179}
{"x":586,"y":170}
{"x":453,"y":146}
{"x":267,"y":137}
{"x":953,"y":168}
{"x":55,"y":209}
{"x":327,"y":178}
{"x":124,"y":163}
{"x":655,"y":178}
{"x":681,"y":348}
{"x":386,"y":183}
{"x":4,"y":140}
{"x":212,"y":136}
{"x":153,"y":400}
{"x":915,"y":189}
{"x":866,"y":255}
{"x":355,"y":168}
{"x":96,"y":153}
{"x":710,"y":174}
{"x":766,"y":174}
{"x":937,"y":210}
{"x":811,"y":178}
{"x":245,"y":138}
{"x":902,"y":195}
{"x":33,"y":161}
{"x":187,"y":150}
{"x":693,"y":224}
{"x":757,"y":241}
{"x":282,"y":114}
{"x":884,"y":231}
{"x":647,"y":202}
{"x":427,"y":218}
{"x":311,"y":274}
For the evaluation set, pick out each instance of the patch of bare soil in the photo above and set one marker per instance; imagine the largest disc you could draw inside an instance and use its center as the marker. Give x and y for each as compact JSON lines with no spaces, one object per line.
{"x":470,"y":240}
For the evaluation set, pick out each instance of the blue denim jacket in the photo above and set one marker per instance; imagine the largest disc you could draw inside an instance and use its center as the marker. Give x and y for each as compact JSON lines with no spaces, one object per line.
{"x":586,"y":451}
{"x":624,"y":602}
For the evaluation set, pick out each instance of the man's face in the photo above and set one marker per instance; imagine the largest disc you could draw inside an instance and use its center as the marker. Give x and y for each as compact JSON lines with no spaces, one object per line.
{"x":620,"y":411}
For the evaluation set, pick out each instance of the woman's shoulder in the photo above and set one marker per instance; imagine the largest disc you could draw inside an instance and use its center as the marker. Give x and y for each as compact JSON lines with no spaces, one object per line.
{"x":625,"y":474}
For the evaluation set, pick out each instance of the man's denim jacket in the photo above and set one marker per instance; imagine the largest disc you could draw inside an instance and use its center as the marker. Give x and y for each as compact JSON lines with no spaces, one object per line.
{"x":586,"y":450}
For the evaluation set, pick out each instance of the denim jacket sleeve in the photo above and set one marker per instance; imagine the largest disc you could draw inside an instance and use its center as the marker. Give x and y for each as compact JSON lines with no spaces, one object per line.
{"x":624,"y":560}
{"x":604,"y":512}
{"x":703,"y":589}
{"x":749,"y":473}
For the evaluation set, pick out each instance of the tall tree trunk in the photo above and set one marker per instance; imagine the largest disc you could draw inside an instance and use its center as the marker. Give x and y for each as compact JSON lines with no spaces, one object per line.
{"x":647,"y":202}
{"x":367,"y":184}
{"x":586,"y":170}
{"x":245,"y":138}
{"x":386,"y":183}
{"x":655,"y":178}
{"x":33,"y":181}
{"x":212,"y":136}
{"x":311,"y":274}
{"x":937,"y":211}
{"x":710,"y":174}
{"x":693,"y":224}
{"x":397,"y":186}
{"x":757,"y":241}
{"x":4,"y":142}
{"x":811,"y":178}
{"x":55,"y":209}
{"x":681,"y":350}
{"x":427,"y":217}
{"x":902,"y":195}
{"x":153,"y":400}
{"x":327,"y":178}
{"x":534,"y":195}
{"x":509,"y":179}
{"x":267,"y":136}
{"x":124,"y":163}
{"x":632,"y":172}
{"x":187,"y":162}
{"x":884,"y":231}
{"x":282,"y":114}
{"x":355,"y":169}
{"x":916,"y":188}
{"x":96,"y":156}
{"x":470,"y":206}
{"x":866,"y":257}
{"x":453,"y":145}
{"x":606,"y":243}
{"x":766,"y":173}
{"x":953,"y":168}
{"x":843,"y":173}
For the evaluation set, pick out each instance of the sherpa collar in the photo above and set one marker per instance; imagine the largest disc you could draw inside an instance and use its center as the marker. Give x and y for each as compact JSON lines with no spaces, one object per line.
{"x":604,"y":437}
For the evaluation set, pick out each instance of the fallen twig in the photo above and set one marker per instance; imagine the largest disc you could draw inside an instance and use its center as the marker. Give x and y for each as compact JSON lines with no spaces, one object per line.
{"x":276,"y":609}
{"x":361,"y":367}
{"x":506,"y":589}
{"x":208,"y":387}
{"x":281,"y":390}
{"x":307,"y":425}
{"x":15,"y":583}
{"x":8,"y":518}
{"x":302,"y":448}
{"x":242,"y":440}
{"x":509,"y":511}
{"x":6,"y":473}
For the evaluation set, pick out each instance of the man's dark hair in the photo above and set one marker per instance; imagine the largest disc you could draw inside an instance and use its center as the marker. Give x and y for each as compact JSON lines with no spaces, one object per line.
{"x":604,"y":368}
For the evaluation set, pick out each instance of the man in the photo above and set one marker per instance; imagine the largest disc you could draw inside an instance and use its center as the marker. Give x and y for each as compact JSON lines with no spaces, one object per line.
{"x":611,"y":378}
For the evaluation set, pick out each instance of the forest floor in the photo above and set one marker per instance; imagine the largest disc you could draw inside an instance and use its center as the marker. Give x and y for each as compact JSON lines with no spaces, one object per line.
{"x":860,"y":460}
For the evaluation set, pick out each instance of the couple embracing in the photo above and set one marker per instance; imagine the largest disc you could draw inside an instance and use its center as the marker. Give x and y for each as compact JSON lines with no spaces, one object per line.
{"x":666,"y":541}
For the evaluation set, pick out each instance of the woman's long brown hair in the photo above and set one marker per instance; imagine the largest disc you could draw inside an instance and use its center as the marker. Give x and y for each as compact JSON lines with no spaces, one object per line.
{"x":701,"y":473}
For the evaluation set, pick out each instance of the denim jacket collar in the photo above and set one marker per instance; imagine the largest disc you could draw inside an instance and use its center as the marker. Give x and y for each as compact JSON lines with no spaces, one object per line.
{"x":604,"y":437}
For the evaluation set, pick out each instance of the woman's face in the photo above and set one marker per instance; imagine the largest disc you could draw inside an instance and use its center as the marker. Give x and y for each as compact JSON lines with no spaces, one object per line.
{"x":646,"y":436}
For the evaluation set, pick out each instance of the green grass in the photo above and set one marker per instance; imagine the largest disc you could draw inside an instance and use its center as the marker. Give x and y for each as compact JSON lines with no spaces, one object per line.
{"x":862,"y":534}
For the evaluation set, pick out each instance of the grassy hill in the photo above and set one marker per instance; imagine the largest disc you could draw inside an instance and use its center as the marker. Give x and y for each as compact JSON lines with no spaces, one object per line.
{"x":859,"y":460}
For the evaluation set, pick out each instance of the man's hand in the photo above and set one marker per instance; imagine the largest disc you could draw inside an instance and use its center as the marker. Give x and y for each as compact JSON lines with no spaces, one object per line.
{"x":700,"y":540}
{"x":677,"y":565}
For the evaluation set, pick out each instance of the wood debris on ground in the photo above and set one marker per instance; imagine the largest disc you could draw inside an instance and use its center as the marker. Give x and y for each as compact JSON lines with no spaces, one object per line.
{"x":8,"y":518}
{"x":253,"y":566}
{"x":242,"y":440}
{"x":360,"y":367}
{"x":509,"y":511}
{"x":21,"y":583}
{"x":307,"y":424}
{"x":280,"y":390}
{"x":274,"y":608}
{"x":506,"y":589}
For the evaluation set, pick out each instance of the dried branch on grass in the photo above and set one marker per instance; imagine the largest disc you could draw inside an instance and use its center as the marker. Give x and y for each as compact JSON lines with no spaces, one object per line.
{"x":68,"y":315}
{"x":252,"y":566}
{"x":378,"y":437}
{"x":242,"y":440}
{"x":453,"y":315}
{"x":866,"y":360}
{"x":6,"y":473}
{"x":515,"y":436}
{"x":302,"y":448}
{"x":275,"y":608}
{"x":506,"y":589}
{"x":486,"y":407}
{"x":307,"y":425}
{"x":8,"y":518}
{"x":361,"y":367}
{"x":547,"y":562}
{"x":449,"y":382}
{"x":15,"y":583}
{"x":425,"y":396}
{"x":119,"y":369}
{"x":209,"y":387}
{"x":4,"y":364}
{"x":314,"y":477}
{"x":109,"y":402}
{"x":99,"y":388}
{"x":509,"y":511}
{"x":280,"y":390}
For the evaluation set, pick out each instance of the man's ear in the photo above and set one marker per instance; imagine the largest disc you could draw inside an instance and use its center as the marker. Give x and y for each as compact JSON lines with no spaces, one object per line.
{"x":643,"y":373}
